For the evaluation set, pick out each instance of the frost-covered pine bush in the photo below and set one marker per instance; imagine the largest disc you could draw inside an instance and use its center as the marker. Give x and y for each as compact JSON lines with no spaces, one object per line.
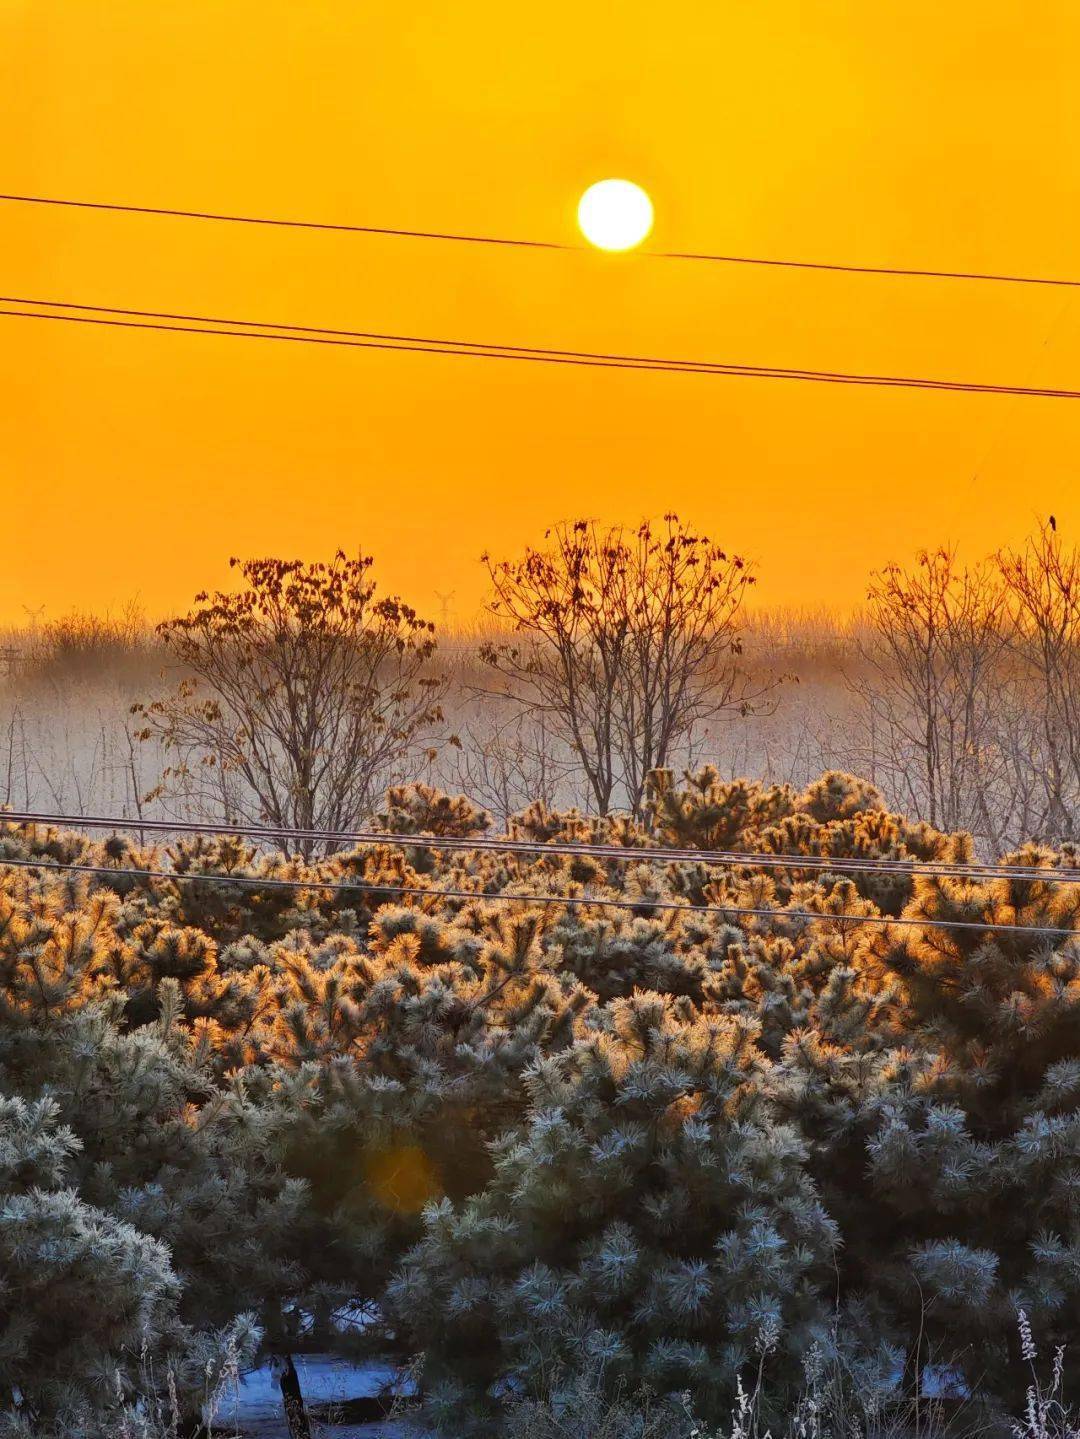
{"x":976,"y":1161}
{"x":422,"y":809}
{"x":650,"y":1211}
{"x":120,"y":1156}
{"x":527,"y":1138}
{"x":82,"y":1291}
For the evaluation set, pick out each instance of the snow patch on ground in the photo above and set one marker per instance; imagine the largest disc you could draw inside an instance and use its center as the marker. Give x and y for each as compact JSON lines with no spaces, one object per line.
{"x":254,"y":1409}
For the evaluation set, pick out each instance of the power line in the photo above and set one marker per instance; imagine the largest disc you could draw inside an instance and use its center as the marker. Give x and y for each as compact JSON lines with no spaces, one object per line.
{"x":496,"y":347}
{"x":460,"y":237}
{"x":896,"y":271}
{"x":392,"y":231}
{"x":620,"y":854}
{"x":570,"y":901}
{"x":374,"y":340}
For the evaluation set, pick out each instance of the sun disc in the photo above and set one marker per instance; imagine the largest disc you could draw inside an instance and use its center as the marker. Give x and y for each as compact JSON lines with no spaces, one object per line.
{"x":615,"y":214}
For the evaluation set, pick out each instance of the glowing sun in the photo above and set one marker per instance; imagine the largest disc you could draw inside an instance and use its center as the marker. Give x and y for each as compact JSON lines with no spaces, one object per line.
{"x":615,"y":214}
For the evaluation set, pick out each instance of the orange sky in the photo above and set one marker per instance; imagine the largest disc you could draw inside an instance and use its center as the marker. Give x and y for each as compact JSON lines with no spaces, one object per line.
{"x":923,"y":134}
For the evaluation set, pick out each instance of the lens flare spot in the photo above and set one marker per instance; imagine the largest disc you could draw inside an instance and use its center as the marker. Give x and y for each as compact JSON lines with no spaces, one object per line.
{"x":402,"y":1178}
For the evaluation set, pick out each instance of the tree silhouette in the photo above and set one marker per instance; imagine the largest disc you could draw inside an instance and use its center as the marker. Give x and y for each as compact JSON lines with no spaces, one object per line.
{"x":302,"y":692}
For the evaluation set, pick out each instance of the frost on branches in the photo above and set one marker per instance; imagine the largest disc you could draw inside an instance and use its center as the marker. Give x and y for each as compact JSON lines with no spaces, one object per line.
{"x":523,"y":1138}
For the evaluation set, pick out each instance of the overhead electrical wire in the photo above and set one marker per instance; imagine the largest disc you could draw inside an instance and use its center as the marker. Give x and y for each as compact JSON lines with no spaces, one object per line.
{"x":48,"y":866}
{"x":462,"y":237}
{"x":123,"y":318}
{"x":391,"y":231}
{"x":619,"y":854}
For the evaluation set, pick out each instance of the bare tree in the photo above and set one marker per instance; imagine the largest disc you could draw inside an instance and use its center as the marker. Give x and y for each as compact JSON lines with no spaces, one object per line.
{"x":301,"y":693}
{"x":624,"y":642}
{"x":938,"y":635}
{"x":510,"y":763}
{"x":1043,"y":584}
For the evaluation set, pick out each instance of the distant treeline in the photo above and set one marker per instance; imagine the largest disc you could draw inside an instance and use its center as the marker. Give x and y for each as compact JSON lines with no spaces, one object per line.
{"x":603,"y":653}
